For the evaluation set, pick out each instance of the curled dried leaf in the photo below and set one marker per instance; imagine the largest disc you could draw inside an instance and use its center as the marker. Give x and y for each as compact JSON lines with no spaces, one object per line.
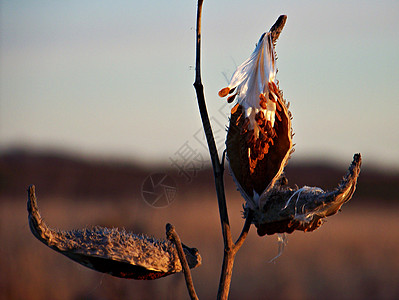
{"x":111,"y":250}
{"x":304,"y":209}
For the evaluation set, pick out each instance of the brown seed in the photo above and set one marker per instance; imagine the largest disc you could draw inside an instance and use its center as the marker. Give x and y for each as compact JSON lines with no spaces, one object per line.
{"x":252,"y":165}
{"x":234,"y":109}
{"x":246,"y":123}
{"x":273,"y":87}
{"x":272,"y":98}
{"x":262,"y":104}
{"x":278,"y":116}
{"x":262,"y":101}
{"x":224,"y":92}
{"x":257,"y":143}
{"x":232,"y":90}
{"x":266,"y":148}
{"x":231,"y":98}
{"x":260,"y":119}
{"x":238,"y":119}
{"x":269,"y":84}
{"x":260,"y":115}
{"x":278,"y":106}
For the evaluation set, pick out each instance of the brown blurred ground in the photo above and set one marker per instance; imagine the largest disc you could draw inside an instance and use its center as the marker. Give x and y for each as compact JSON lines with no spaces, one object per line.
{"x":355,"y":255}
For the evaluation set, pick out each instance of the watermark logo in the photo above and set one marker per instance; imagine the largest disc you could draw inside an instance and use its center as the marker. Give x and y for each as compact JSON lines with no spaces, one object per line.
{"x":158,"y":190}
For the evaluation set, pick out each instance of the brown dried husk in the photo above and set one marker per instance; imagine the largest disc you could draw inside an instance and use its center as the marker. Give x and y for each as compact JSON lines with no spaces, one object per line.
{"x":111,"y":250}
{"x":287,"y":210}
{"x":260,"y":174}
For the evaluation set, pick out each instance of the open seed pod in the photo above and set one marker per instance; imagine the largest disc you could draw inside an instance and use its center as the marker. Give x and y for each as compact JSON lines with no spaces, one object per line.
{"x":113,"y":251}
{"x":259,"y":138}
{"x":259,"y":144}
{"x":306,"y":208}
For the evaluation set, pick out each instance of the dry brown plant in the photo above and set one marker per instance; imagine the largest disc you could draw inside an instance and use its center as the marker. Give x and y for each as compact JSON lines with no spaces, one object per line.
{"x":258,"y":147}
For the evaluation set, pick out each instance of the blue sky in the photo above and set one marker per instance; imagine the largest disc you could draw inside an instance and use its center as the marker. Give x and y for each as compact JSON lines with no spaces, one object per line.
{"x":114,"y":78}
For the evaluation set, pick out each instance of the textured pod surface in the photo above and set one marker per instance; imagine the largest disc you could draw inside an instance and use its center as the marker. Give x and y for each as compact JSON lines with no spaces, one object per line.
{"x":304,"y":209}
{"x":257,"y":171}
{"x":113,"y":251}
{"x":259,"y":138}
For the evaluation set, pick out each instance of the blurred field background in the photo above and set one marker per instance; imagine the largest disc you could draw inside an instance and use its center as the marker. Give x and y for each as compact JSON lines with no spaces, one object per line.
{"x":114,"y":79}
{"x":355,"y":255}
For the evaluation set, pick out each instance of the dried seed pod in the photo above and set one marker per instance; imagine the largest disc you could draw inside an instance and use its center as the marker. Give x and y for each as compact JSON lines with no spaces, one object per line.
{"x":255,"y":166}
{"x":259,"y":144}
{"x":304,"y":209}
{"x":113,"y":251}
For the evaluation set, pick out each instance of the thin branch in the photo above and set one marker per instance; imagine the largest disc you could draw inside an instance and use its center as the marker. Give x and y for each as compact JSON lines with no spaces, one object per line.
{"x":230,"y":249}
{"x":173,"y":236}
{"x":244,"y":232}
{"x":223,"y":159}
{"x":217,"y":169}
{"x":228,"y":260}
{"x":226,"y":275}
{"x":198,"y":45}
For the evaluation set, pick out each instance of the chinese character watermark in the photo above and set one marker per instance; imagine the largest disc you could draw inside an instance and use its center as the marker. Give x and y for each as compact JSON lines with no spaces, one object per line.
{"x":159,"y":189}
{"x":219,"y":134}
{"x":187,"y":161}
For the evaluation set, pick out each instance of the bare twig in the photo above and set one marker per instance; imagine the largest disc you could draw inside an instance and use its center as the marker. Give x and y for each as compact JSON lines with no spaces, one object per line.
{"x":227,"y":267}
{"x":244,"y":232}
{"x":223,"y":159}
{"x":217,"y":168}
{"x":173,"y":236}
{"x":228,"y":259}
{"x":230,"y":249}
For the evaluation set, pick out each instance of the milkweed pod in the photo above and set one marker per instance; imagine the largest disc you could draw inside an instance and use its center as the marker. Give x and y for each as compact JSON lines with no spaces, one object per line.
{"x":111,"y":250}
{"x":306,"y":208}
{"x":258,"y":143}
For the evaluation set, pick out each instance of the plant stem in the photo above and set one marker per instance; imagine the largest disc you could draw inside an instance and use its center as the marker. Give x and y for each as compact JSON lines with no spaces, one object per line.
{"x":217,"y":167}
{"x":228,"y":260}
{"x":230,"y":249}
{"x":174,"y":237}
{"x":244,"y":232}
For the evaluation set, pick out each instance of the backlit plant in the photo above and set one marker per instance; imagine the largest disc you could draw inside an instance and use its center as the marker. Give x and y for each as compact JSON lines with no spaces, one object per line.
{"x":258,"y":147}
